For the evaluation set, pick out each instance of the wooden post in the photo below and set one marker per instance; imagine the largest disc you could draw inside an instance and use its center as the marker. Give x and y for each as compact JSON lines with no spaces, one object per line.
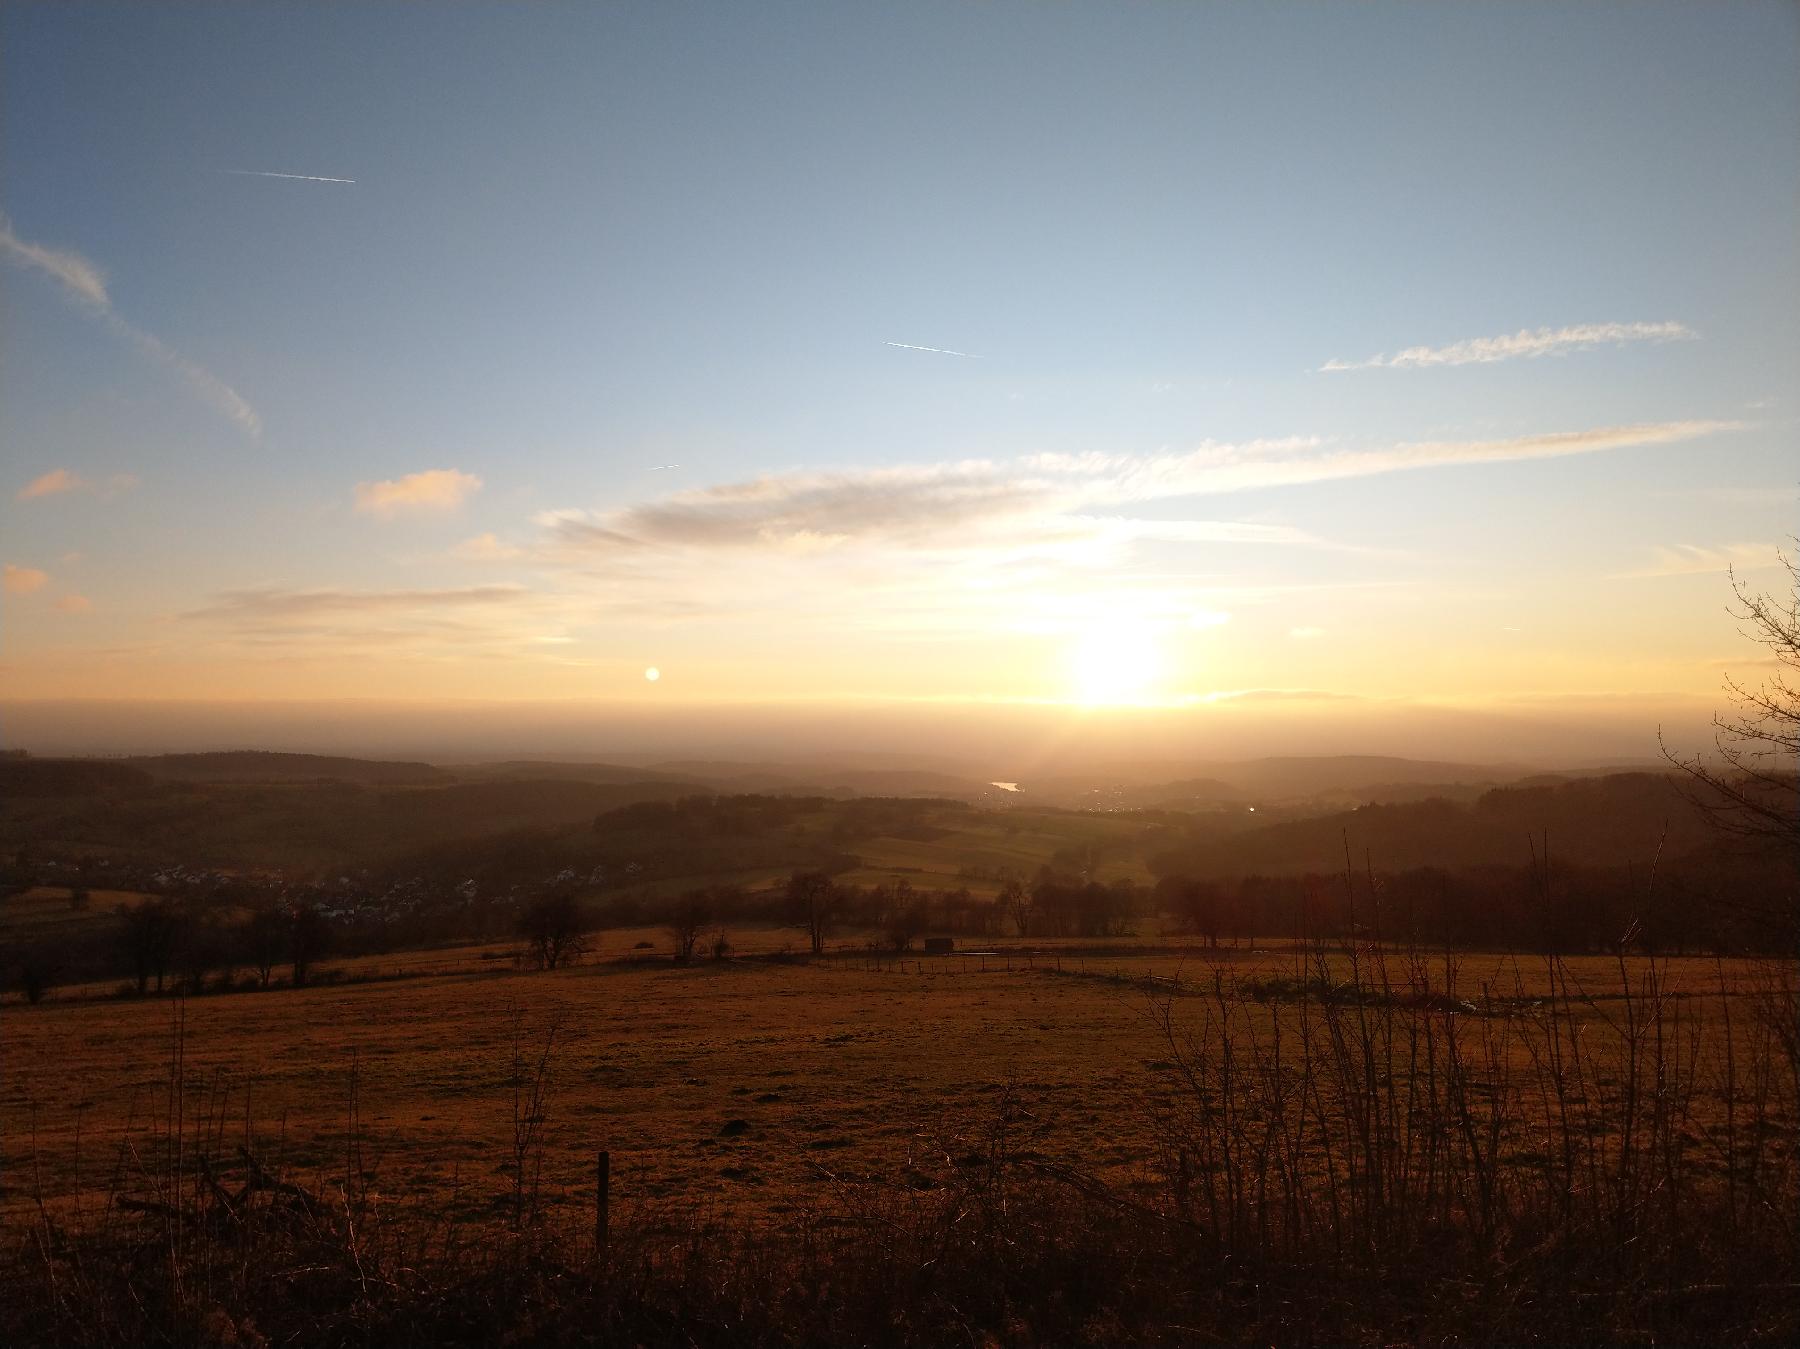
{"x":603,"y":1200}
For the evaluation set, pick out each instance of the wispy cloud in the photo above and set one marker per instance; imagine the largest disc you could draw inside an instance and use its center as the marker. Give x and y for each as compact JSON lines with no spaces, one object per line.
{"x":1202,"y":531}
{"x":1037,"y":546}
{"x":435,"y":489}
{"x":81,"y":278}
{"x":61,"y":481}
{"x":86,"y":283}
{"x":1219,"y":468}
{"x":1737,"y":496}
{"x":206,"y":386}
{"x":936,"y":351}
{"x":1686,"y":559}
{"x":1526,"y":344}
{"x":457,"y":624}
{"x":1275,"y":696}
{"x":54,"y":483}
{"x":1049,"y":496}
{"x":296,"y":177}
{"x":266,"y":603}
{"x":487,"y":548}
{"x":23,"y":580}
{"x":74,"y":604}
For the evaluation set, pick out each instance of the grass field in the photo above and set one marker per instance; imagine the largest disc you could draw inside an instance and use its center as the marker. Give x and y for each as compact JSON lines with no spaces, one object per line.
{"x":746,"y":1084}
{"x":45,"y":911}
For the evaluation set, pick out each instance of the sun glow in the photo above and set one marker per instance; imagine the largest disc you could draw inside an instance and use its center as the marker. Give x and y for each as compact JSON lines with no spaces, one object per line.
{"x":1116,"y":661}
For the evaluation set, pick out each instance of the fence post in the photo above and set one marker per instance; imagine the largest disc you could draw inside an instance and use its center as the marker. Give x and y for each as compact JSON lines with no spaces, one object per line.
{"x":602,"y":1201}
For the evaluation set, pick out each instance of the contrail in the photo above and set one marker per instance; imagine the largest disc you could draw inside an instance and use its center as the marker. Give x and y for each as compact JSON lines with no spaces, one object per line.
{"x":658,"y":468}
{"x":941,"y":351}
{"x":297,"y":177}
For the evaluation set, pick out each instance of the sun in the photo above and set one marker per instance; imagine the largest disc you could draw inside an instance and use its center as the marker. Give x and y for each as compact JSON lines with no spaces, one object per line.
{"x":1114,"y":661}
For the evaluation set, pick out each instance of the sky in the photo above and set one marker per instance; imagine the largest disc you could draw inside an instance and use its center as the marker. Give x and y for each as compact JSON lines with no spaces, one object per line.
{"x":1352,"y":359}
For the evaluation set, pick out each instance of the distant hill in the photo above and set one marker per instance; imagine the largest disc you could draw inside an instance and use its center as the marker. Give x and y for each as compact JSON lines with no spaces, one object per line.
{"x":21,"y":776}
{"x":1297,"y":782}
{"x":1191,"y":792}
{"x":905,"y":782}
{"x":1303,"y":776}
{"x":265,"y":766}
{"x":547,"y":770}
{"x":733,"y":776}
{"x":1608,"y":821}
{"x":810,"y":778}
{"x":110,"y":809}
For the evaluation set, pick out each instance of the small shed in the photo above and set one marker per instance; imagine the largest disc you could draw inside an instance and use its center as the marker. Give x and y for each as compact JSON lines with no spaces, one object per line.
{"x":939,"y":946}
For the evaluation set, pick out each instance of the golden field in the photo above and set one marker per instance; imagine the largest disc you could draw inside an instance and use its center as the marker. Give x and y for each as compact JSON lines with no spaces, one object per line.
{"x":748,"y":1085}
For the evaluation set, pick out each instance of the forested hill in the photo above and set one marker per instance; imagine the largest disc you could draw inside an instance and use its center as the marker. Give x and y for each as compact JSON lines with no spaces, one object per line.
{"x":1616,"y":820}
{"x":266,"y":766}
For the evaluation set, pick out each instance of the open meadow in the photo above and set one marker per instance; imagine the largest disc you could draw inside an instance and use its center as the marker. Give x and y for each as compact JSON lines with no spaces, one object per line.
{"x":900,"y":1148}
{"x":749,"y":1084}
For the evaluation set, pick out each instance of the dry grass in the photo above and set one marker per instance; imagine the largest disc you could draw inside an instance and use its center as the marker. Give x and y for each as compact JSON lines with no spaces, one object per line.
{"x":1138,"y":1144}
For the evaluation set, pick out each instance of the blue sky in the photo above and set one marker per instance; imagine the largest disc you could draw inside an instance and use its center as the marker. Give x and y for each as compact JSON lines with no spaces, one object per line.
{"x":584,"y":242}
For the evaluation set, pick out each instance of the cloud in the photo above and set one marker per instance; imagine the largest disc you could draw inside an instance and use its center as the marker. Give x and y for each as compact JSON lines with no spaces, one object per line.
{"x":81,"y":278}
{"x":1035,"y":546}
{"x":1526,"y":344}
{"x":1045,"y":499}
{"x":487,"y":548}
{"x":53,"y":483}
{"x":1276,"y":696}
{"x":74,"y":604}
{"x":1686,"y":559}
{"x":811,"y":510}
{"x":455,"y":624}
{"x":267,"y":603}
{"x":87,"y":284}
{"x":1218,"y":468}
{"x":435,"y":489}
{"x":59,"y":481}
{"x":1736,"y":496}
{"x":23,"y":580}
{"x":1748,"y":663}
{"x":206,"y":386}
{"x":1202,"y":531}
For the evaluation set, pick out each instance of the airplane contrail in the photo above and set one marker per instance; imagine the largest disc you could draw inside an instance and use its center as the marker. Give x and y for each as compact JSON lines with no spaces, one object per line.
{"x":941,"y":351}
{"x":658,"y":468}
{"x":298,"y":177}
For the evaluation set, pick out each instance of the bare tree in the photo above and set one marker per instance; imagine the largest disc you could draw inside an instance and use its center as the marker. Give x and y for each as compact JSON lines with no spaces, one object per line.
{"x":309,"y":938}
{"x":1015,"y":899}
{"x":263,"y":940}
{"x":1751,"y":786}
{"x":691,"y":913}
{"x":150,"y":933}
{"x":1195,"y":902}
{"x":201,"y":953}
{"x":554,"y":930}
{"x":36,"y":971}
{"x":813,"y":902}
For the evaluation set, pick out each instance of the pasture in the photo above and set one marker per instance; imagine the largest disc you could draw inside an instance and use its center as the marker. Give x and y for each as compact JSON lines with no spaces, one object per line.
{"x":749,"y":1085}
